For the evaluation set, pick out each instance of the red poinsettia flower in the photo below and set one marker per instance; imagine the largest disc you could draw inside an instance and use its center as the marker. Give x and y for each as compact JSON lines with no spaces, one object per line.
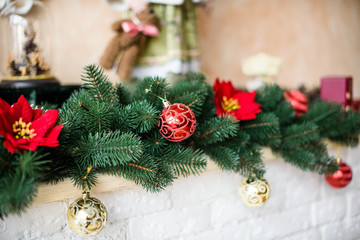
{"x":240,"y":104}
{"x":23,"y":127}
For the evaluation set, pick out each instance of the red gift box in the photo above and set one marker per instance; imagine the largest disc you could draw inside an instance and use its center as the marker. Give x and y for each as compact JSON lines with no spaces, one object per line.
{"x":337,"y":89}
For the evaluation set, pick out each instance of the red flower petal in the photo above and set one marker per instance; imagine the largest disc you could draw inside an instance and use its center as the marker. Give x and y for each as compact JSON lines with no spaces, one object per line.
{"x":37,"y":114}
{"x":30,"y":146}
{"x":54,"y":132}
{"x":227,"y":89}
{"x":248,"y":108}
{"x":9,"y":146}
{"x":4,"y":105}
{"x":219,"y":111}
{"x":45,"y":122}
{"x":216,"y":85}
{"x":5,"y":117}
{"x":5,"y":126}
{"x":245,"y":97}
{"x":22,"y":109}
{"x":49,"y":143}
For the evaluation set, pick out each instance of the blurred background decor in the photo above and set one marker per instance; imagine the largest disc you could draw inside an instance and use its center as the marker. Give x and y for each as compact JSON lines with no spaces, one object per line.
{"x":27,"y":44}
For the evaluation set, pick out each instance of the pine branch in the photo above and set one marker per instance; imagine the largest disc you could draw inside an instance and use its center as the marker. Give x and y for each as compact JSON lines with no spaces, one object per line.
{"x":208,"y":108}
{"x":151,"y":89}
{"x":71,"y":111}
{"x":264,"y":130}
{"x":191,"y":93}
{"x":123,"y":94}
{"x":146,"y":171}
{"x":225,"y":157}
{"x":140,"y":116}
{"x":251,"y":162}
{"x":297,"y":134}
{"x":81,"y":111}
{"x":347,"y":129}
{"x":285,"y":113}
{"x":269,"y":96}
{"x":185,"y":161}
{"x":98,"y":85}
{"x":17,"y":193}
{"x":7,"y":161}
{"x":199,"y":77}
{"x":82,"y":179}
{"x":325,"y":115}
{"x":97,"y":116}
{"x":163,"y":178}
{"x":20,"y":186}
{"x":108,"y":149}
{"x":215,"y":130}
{"x":311,"y":157}
{"x":155,"y":143}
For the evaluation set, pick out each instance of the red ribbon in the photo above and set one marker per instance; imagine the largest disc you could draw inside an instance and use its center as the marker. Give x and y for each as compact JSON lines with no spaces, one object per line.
{"x":132,"y":29}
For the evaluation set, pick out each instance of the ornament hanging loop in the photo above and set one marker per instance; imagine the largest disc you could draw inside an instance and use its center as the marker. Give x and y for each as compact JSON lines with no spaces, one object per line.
{"x":86,"y":194}
{"x":338,"y":148}
{"x":165,"y":102}
{"x":252,"y":177}
{"x":87,"y":173}
{"x":86,"y":189}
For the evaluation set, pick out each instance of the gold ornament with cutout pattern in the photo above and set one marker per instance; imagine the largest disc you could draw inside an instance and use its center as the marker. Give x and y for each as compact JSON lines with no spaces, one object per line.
{"x":87,"y":215}
{"x":254,"y":192}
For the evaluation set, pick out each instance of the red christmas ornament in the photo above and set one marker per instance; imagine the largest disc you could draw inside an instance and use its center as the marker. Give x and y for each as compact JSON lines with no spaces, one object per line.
{"x":177,"y":122}
{"x":298,"y":101}
{"x":341,"y":178}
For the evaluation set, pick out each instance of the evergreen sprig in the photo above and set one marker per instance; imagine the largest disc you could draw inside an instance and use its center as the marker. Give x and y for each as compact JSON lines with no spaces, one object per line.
{"x":140,"y":116}
{"x":191,"y":92}
{"x":185,"y":161}
{"x":215,"y":130}
{"x":264,"y":130}
{"x":98,"y":85}
{"x":18,"y":182}
{"x":108,"y":149}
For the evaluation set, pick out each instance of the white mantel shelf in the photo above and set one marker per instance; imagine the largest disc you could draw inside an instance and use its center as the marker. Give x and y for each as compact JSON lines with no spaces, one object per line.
{"x":106,"y":183}
{"x":64,"y":190}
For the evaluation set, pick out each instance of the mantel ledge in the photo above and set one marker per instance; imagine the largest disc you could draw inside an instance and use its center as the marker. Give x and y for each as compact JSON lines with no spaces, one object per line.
{"x":64,"y":190}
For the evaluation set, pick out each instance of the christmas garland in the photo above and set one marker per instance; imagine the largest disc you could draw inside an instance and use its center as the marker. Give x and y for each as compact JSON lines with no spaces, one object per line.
{"x":158,"y":133}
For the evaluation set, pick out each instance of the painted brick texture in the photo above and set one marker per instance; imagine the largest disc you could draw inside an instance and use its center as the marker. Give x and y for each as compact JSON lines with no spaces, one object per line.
{"x":207,"y":207}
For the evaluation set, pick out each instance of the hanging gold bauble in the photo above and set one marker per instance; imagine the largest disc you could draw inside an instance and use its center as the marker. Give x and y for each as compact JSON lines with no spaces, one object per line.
{"x":254,"y":191}
{"x":87,"y":215}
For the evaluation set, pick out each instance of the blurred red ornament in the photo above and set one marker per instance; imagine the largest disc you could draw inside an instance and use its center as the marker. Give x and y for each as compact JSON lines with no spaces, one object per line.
{"x":341,"y":178}
{"x":298,"y":101}
{"x":177,"y":122}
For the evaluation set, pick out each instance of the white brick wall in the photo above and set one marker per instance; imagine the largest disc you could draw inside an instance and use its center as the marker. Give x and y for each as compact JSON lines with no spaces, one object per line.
{"x":207,"y":207}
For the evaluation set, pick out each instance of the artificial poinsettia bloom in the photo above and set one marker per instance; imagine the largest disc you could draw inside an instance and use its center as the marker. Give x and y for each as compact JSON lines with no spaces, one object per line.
{"x":25,"y":128}
{"x":240,"y":104}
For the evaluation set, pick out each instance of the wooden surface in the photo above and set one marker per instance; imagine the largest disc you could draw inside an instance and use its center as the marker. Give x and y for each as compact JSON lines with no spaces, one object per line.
{"x":65,"y":190}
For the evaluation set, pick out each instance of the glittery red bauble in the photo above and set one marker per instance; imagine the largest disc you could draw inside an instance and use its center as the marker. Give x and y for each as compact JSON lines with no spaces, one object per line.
{"x":298,"y":101}
{"x":341,"y":177}
{"x":177,"y":122}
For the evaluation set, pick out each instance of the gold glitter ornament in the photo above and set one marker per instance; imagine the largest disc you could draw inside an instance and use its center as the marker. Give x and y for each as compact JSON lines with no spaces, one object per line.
{"x":254,"y":191}
{"x":87,"y":215}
